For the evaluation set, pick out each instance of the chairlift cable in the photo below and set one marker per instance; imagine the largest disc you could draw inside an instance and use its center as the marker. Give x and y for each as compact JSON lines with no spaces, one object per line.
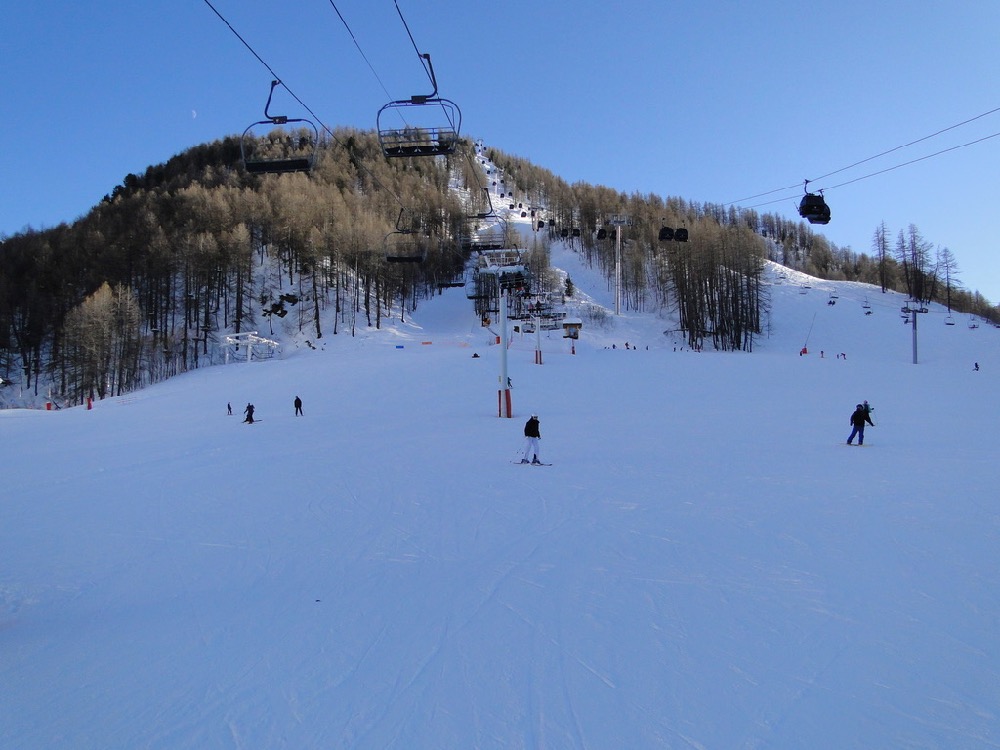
{"x":914,"y":161}
{"x":305,"y":106}
{"x":425,"y":61}
{"x":907,"y":145}
{"x":414,"y":43}
{"x":245,"y":43}
{"x":358,"y":46}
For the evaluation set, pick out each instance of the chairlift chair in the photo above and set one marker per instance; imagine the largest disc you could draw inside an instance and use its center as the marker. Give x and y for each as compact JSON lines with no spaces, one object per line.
{"x":265,"y":155}
{"x":404,"y":244}
{"x":404,"y":247}
{"x":949,"y":321}
{"x":437,"y":124}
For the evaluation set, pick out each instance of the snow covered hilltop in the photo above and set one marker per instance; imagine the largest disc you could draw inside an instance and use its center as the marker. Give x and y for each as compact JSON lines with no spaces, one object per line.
{"x":159,"y":277}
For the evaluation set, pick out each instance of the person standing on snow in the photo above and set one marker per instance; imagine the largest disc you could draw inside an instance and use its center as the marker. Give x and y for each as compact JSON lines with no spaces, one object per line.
{"x":298,"y":407}
{"x":858,"y":419}
{"x":532,"y":435}
{"x":249,"y":412}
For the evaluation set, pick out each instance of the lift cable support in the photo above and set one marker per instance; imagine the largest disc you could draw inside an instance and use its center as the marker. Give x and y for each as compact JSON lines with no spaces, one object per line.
{"x":249,"y":339}
{"x":503,"y":265}
{"x":326,"y":129}
{"x":910,"y":312}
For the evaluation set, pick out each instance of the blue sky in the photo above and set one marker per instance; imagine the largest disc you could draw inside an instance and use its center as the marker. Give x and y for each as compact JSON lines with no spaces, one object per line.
{"x":709,"y":100}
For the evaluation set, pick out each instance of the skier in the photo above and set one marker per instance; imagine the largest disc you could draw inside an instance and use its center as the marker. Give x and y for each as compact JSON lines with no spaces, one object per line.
{"x":229,"y":409}
{"x":249,"y":412}
{"x":298,"y":407}
{"x":858,"y":419}
{"x":532,"y":435}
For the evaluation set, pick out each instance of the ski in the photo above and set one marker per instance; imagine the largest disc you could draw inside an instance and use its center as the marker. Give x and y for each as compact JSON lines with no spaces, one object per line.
{"x":529,"y":463}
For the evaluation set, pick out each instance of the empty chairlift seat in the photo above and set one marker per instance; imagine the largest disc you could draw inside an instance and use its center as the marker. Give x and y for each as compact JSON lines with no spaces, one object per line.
{"x":270,"y":146}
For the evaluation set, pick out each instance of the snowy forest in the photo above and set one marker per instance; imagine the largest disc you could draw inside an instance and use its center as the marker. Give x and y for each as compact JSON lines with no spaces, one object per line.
{"x":143,"y":286}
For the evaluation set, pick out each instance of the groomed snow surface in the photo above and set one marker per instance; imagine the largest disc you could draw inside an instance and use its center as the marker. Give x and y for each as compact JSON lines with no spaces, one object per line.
{"x":705,"y":565}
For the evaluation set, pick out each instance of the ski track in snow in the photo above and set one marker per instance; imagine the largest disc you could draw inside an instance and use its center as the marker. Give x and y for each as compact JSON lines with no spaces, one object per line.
{"x":702,"y":567}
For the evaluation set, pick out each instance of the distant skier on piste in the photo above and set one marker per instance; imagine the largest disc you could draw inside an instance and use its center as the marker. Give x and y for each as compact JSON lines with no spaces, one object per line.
{"x":532,"y":436}
{"x":249,"y":412}
{"x":862,"y":414}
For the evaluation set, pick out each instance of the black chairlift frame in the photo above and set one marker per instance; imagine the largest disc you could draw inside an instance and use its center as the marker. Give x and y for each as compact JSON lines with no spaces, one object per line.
{"x":282,"y":165}
{"x":491,"y":212}
{"x":404,"y":244}
{"x":420,"y":139}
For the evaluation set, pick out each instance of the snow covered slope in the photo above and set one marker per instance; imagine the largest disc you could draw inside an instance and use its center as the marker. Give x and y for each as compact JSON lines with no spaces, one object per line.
{"x":706,"y":564}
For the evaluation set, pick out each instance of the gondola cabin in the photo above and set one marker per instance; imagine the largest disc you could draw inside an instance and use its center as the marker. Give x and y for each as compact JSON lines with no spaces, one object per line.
{"x":813,"y":209}
{"x":677,"y":235}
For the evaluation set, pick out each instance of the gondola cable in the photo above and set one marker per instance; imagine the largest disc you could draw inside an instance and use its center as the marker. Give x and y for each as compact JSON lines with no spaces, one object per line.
{"x":874,"y":174}
{"x":871,"y":158}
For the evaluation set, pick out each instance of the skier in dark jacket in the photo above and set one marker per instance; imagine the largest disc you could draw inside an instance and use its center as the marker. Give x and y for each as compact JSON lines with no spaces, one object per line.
{"x":532,"y":435}
{"x":298,"y":406}
{"x":249,"y":412}
{"x":858,"y":419}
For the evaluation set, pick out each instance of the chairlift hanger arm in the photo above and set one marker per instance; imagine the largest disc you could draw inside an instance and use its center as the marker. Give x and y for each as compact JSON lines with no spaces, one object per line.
{"x":257,"y":164}
{"x":489,"y":201}
{"x":276,"y":119}
{"x":420,"y":98}
{"x":425,"y":60}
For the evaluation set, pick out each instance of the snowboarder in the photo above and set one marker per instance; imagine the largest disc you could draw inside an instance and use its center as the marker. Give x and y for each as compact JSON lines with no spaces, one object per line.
{"x":249,"y":412}
{"x":532,"y":436}
{"x":298,"y":407}
{"x":975,"y":366}
{"x":858,"y":419}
